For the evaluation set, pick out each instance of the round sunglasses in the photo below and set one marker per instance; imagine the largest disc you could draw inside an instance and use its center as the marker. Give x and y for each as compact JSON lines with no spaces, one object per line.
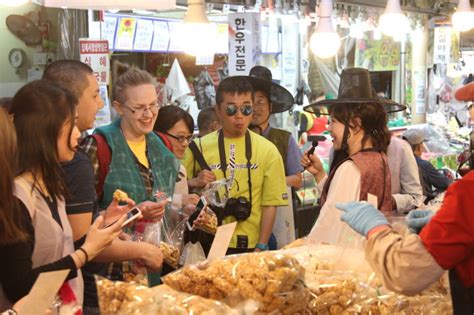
{"x":246,"y":110}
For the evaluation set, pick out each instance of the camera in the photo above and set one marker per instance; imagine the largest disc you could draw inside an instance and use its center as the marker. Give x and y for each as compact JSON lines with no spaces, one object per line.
{"x":239,"y":208}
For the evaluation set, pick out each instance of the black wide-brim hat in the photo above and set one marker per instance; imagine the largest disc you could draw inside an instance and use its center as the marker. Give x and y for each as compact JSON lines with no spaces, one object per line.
{"x":355,"y":87}
{"x":261,"y":80}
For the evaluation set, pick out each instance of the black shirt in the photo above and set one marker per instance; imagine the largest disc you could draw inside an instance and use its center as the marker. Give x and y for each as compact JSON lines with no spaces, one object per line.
{"x":17,"y":274}
{"x":80,"y":180}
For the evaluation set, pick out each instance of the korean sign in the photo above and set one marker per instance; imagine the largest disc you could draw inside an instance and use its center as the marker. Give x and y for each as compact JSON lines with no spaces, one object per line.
{"x":244,"y":42}
{"x":95,"y":53}
{"x":442,"y":45}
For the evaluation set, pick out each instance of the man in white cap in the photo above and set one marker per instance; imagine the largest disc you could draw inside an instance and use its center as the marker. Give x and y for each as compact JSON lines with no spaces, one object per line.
{"x":429,"y":175}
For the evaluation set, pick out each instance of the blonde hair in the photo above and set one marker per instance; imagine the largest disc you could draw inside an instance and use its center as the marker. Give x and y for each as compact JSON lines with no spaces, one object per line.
{"x":128,"y":76}
{"x":10,"y":226}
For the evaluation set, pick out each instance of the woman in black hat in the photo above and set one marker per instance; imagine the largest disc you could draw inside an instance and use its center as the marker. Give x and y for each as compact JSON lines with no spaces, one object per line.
{"x":358,"y":125}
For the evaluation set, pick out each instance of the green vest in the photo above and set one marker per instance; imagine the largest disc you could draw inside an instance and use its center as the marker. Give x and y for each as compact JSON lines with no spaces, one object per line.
{"x":280,"y":138}
{"x":124,"y":173}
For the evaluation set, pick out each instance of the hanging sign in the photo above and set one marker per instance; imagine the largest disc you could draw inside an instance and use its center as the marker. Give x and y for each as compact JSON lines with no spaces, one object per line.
{"x":244,"y":42}
{"x":95,"y":53}
{"x":442,"y":44}
{"x":125,"y":34}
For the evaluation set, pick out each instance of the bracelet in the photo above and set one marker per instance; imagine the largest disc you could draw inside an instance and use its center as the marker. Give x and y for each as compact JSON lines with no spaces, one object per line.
{"x":261,"y":246}
{"x":85,"y":253}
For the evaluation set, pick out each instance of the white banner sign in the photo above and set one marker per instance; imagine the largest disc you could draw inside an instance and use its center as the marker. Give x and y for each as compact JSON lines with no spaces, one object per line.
{"x":95,"y":53}
{"x":244,"y":42}
{"x":442,"y":44}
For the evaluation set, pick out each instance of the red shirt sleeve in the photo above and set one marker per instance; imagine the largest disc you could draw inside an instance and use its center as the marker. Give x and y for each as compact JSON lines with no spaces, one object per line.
{"x":449,"y":236}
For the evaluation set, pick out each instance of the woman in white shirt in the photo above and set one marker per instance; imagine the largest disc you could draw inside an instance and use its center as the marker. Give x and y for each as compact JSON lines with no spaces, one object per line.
{"x":358,"y":125}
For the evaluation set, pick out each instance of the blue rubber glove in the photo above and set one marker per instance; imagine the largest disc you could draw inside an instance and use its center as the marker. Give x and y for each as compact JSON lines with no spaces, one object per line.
{"x":361,"y":216}
{"x":417,"y":219}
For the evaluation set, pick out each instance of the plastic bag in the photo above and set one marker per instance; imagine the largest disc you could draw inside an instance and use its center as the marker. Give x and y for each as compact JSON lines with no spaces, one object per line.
{"x":216,"y":193}
{"x":274,"y":280}
{"x":127,"y":298}
{"x":209,"y":221}
{"x":192,"y":254}
{"x":124,"y":298}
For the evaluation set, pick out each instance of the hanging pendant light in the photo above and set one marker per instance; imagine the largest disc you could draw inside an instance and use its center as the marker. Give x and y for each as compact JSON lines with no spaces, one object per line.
{"x":462,"y":18}
{"x":325,"y":41}
{"x":198,"y":34}
{"x":393,"y":22}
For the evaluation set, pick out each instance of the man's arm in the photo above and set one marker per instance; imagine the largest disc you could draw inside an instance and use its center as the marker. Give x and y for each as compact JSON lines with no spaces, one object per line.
{"x":402,"y":264}
{"x":293,"y":167}
{"x":294,"y":180}
{"x":266,"y":225}
{"x":438,"y":180}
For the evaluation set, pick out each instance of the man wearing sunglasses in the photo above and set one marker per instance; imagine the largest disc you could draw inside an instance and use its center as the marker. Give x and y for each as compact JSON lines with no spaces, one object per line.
{"x":251,"y":165}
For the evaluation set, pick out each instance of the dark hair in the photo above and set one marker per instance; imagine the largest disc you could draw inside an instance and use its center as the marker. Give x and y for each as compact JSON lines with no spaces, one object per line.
{"x":11,"y":229}
{"x":373,"y":120}
{"x":168,"y":116}
{"x":128,"y":76}
{"x":40,"y":109}
{"x":6,"y":103}
{"x":70,"y":75}
{"x":206,"y":117}
{"x":233,"y":85}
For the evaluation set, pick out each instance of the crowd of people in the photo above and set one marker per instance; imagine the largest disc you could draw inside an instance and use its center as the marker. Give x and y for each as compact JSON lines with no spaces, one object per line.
{"x":58,"y":210}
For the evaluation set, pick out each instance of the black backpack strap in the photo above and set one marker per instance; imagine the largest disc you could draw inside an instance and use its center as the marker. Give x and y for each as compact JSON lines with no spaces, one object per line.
{"x":198,"y":156}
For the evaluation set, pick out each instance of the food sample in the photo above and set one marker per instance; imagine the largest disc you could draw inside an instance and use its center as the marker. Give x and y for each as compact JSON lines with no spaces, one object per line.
{"x":170,"y":254}
{"x":120,"y":195}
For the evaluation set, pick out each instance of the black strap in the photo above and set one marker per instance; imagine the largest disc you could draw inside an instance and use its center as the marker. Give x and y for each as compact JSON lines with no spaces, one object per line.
{"x":248,"y":156}
{"x":198,"y":156}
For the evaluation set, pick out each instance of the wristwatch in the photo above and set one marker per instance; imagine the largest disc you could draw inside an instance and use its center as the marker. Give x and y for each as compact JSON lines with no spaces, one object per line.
{"x":262,"y":246}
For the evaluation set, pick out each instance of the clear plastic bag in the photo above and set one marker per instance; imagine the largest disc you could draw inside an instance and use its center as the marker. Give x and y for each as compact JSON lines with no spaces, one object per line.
{"x":274,"y":280}
{"x":217,"y":193}
{"x":192,"y":254}
{"x":209,"y":221}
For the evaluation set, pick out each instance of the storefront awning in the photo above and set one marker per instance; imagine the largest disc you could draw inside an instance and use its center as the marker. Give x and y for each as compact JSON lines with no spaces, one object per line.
{"x":158,"y":5}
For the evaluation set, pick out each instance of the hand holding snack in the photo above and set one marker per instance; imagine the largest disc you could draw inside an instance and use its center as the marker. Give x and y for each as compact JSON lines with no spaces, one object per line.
{"x":170,"y":254}
{"x":114,"y":211}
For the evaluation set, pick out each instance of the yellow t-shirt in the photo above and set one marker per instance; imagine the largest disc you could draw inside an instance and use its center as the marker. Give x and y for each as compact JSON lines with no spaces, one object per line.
{"x":267,"y":175}
{"x":139,"y":150}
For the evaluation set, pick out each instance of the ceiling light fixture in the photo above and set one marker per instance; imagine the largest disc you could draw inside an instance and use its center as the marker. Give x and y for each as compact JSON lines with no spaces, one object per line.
{"x":325,"y":41}
{"x":393,"y":22}
{"x":462,"y":18}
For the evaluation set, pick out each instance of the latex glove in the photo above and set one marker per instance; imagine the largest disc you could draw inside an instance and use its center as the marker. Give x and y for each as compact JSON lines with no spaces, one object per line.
{"x":417,"y":219}
{"x":361,"y":216}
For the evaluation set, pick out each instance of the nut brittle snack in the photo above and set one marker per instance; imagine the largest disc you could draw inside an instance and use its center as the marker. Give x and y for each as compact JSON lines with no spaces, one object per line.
{"x":120,"y":195}
{"x":273,"y":280}
{"x":170,"y":254}
{"x":209,"y":219}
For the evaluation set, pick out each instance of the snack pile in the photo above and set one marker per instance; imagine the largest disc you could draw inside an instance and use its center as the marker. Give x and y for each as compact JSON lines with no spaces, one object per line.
{"x":273,"y":280}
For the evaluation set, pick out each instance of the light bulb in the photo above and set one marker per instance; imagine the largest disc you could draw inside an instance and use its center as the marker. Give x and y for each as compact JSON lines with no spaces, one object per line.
{"x":324,"y":41}
{"x":462,"y":18}
{"x":194,"y":35}
{"x":324,"y":44}
{"x":393,"y":22}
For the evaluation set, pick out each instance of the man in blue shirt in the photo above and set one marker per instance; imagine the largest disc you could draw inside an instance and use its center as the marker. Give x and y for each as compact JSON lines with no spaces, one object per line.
{"x":429,"y":175}
{"x":271,"y":98}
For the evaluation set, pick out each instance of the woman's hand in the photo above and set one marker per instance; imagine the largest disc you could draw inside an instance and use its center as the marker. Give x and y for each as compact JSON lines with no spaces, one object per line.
{"x":114,"y":211}
{"x":99,"y":238}
{"x":313,"y":165}
{"x":152,"y":210}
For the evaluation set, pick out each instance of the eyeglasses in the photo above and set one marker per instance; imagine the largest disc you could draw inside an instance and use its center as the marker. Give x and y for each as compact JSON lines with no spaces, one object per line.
{"x":246,"y":110}
{"x":140,"y":111}
{"x":181,"y":139}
